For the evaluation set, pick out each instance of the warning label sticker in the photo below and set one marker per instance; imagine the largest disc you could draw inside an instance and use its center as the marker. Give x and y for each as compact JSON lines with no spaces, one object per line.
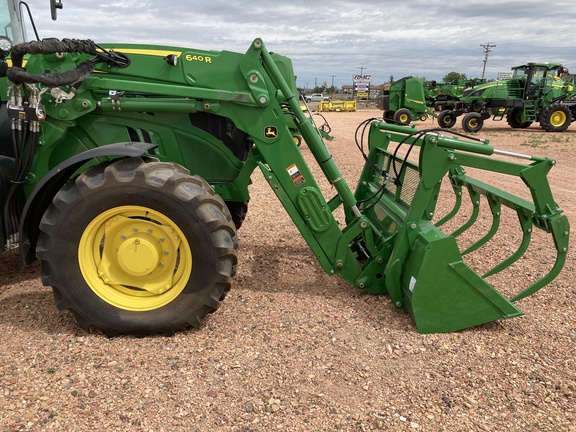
{"x":297,"y":178}
{"x":412,"y":283}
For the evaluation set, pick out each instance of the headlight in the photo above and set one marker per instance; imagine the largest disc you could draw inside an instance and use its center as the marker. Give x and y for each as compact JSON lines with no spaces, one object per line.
{"x":5,"y":44}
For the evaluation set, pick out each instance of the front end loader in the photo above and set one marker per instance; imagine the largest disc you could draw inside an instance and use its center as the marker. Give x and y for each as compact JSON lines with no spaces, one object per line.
{"x":130,"y":174}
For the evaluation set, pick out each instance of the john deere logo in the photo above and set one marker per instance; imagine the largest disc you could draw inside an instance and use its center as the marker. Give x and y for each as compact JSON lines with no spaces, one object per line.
{"x":270,"y":131}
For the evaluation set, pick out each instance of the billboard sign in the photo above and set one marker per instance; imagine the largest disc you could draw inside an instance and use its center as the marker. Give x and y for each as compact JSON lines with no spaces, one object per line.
{"x":362,"y":78}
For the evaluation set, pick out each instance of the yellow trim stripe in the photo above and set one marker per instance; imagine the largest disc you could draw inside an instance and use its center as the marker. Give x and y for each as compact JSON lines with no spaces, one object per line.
{"x":160,"y":53}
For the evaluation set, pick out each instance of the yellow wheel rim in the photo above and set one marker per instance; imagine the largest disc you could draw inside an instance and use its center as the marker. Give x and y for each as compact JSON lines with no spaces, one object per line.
{"x":473,"y":123}
{"x":134,"y":258}
{"x":558,"y":118}
{"x":404,"y":118}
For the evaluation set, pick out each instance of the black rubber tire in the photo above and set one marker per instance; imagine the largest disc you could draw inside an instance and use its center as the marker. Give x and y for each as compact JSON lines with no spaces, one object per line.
{"x":403,"y":116}
{"x":514,"y":120}
{"x":238,"y":210}
{"x":200,"y":216}
{"x":477,"y":107}
{"x":447,"y":119}
{"x":472,"y":122}
{"x":297,"y":139}
{"x":388,"y":117}
{"x":556,"y":118}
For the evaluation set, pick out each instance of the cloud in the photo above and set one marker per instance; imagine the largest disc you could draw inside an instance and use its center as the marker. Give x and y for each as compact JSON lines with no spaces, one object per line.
{"x":328,"y":39}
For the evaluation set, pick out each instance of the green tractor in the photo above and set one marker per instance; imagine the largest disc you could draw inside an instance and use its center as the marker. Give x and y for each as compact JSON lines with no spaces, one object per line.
{"x":404,"y":101}
{"x":431,"y":89}
{"x":448,"y":95}
{"x":127,"y":175}
{"x":535,"y":93}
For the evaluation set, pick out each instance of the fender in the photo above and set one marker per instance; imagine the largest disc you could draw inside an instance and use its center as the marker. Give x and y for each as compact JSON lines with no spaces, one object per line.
{"x":52,"y":182}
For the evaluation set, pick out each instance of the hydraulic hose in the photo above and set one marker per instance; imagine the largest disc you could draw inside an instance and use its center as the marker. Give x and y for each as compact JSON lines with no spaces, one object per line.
{"x":25,"y":148}
{"x":51,"y":46}
{"x":18,"y":75}
{"x":25,"y":132}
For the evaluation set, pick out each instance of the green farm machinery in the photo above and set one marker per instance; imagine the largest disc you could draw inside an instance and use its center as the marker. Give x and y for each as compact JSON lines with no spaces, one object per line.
{"x":127,"y":176}
{"x":536,"y":92}
{"x":447,"y":95}
{"x":410,"y":98}
{"x":405,"y":101}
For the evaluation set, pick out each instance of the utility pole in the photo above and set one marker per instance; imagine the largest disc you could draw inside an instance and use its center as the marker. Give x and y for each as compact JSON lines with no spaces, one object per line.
{"x":487,"y":48}
{"x":332,"y":86}
{"x":361,"y":69}
{"x":315,"y":83}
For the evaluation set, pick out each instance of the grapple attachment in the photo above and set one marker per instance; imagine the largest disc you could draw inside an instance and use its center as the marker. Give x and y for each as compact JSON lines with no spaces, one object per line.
{"x":429,"y":265}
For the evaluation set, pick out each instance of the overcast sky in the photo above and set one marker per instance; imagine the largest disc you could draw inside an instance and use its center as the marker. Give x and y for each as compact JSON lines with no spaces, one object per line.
{"x":332,"y":40}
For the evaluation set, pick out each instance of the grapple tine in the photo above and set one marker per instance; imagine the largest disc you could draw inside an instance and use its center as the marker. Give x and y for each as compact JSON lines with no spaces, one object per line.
{"x":560,"y":230}
{"x":495,"y":209}
{"x":475,"y":199}
{"x":526,"y":224}
{"x":457,"y":188}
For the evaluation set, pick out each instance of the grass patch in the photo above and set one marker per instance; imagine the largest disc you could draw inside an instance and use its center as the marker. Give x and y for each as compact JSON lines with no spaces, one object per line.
{"x":534,"y":141}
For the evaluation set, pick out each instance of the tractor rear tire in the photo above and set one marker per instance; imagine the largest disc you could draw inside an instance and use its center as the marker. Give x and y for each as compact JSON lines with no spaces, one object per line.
{"x":138,"y":247}
{"x":472,"y":122}
{"x":556,"y":118}
{"x":447,"y":119}
{"x":515,"y":120}
{"x":388,"y":117}
{"x":403,"y":116}
{"x":238,"y":210}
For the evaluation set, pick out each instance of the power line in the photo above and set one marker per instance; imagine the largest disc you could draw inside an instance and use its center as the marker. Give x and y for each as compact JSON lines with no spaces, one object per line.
{"x":487,"y":48}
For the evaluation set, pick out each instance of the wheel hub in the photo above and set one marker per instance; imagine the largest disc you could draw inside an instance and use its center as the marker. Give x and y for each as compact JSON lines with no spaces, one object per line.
{"x":558,"y":118}
{"x":139,"y":255}
{"x":135,"y":258}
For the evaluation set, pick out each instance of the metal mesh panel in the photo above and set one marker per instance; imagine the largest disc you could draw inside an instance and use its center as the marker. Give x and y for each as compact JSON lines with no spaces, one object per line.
{"x":410,"y":180}
{"x":403,"y":194}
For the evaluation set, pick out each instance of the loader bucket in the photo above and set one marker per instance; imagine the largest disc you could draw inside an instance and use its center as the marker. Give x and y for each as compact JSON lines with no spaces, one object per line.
{"x":427,"y":266}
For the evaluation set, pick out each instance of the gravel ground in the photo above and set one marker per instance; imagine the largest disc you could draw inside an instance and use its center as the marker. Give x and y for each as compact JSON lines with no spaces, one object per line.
{"x":292,"y":349}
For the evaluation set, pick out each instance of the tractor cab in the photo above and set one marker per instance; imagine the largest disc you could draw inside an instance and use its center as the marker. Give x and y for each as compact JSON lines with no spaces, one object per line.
{"x":537,"y":79}
{"x":12,"y":30}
